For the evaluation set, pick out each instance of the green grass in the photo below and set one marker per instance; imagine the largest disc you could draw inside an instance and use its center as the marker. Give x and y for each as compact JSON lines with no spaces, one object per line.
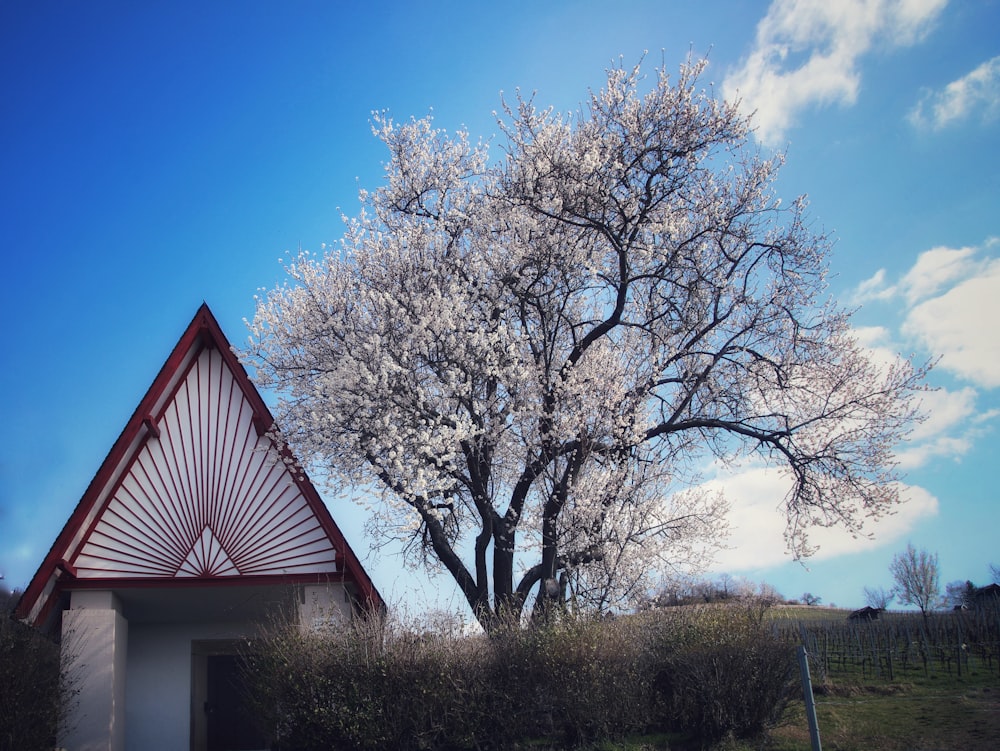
{"x":923,"y":706}
{"x":941,"y":713}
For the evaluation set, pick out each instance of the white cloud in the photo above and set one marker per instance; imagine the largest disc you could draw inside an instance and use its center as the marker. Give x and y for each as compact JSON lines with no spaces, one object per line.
{"x":758,"y":525}
{"x":806,"y":52}
{"x":873,"y":288}
{"x":872,"y":337}
{"x":935,"y":269}
{"x":947,"y":432}
{"x":951,"y":302}
{"x":959,"y":326}
{"x":977,"y":92}
{"x":943,"y":446}
{"x":878,"y":342}
{"x":945,"y":411}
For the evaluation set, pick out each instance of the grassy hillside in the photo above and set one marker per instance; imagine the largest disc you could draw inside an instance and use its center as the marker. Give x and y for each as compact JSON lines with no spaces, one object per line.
{"x":947,"y":714}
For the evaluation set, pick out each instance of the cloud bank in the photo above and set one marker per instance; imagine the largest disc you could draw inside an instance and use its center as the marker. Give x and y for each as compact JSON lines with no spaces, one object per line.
{"x":951,"y":301}
{"x":757,"y":523}
{"x":807,"y":52}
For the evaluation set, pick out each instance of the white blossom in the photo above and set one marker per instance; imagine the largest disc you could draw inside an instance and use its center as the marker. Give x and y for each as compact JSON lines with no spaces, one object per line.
{"x":531,"y":356}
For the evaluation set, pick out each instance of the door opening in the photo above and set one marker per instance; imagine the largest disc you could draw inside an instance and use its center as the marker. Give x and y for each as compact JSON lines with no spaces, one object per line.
{"x":221,"y":719}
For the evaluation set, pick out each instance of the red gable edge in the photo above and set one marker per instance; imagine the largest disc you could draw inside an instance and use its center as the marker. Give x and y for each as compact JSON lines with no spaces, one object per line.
{"x":203,"y":331}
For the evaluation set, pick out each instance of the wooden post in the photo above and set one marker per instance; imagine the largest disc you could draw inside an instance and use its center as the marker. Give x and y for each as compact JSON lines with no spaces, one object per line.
{"x":807,"y":695}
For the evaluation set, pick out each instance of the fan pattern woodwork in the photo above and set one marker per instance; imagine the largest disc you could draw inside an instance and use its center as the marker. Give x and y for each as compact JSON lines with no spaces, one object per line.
{"x":205,"y":496}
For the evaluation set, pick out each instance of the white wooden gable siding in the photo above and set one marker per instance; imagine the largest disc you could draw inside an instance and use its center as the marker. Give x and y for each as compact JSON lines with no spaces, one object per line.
{"x":206,"y":495}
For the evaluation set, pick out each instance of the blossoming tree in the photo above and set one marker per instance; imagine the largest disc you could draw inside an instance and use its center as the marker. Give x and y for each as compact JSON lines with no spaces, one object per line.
{"x":525,"y":360}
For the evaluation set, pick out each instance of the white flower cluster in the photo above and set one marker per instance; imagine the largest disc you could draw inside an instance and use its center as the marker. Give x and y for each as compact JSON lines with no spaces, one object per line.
{"x":528,"y":356}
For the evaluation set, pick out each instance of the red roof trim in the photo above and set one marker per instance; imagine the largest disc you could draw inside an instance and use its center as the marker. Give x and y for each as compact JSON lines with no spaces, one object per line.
{"x":201,"y":581}
{"x":203,"y":331}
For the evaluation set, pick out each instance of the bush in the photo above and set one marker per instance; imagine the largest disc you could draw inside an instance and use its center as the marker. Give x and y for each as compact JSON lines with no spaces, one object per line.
{"x":379,"y":684}
{"x":313,"y":692}
{"x":720,"y":672}
{"x":33,"y":696}
{"x":573,"y":681}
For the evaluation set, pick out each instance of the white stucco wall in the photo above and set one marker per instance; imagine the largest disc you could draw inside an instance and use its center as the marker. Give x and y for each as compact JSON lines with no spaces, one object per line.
{"x":136,"y":657}
{"x":159,"y":676}
{"x":94,"y":638}
{"x":158,"y":682}
{"x":321,"y":604}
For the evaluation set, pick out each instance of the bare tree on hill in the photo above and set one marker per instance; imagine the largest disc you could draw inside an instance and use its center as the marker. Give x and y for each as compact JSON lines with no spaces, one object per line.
{"x":916,"y":573}
{"x":878,"y":597}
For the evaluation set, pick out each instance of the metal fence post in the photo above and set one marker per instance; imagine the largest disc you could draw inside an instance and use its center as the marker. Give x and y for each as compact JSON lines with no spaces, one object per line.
{"x":807,"y":695}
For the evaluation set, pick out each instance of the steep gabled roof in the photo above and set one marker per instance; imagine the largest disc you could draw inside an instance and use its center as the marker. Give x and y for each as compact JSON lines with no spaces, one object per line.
{"x":195,"y":492}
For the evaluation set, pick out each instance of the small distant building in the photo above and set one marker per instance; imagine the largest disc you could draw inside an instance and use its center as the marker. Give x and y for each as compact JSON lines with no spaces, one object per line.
{"x":987,"y":596}
{"x":866,"y":613}
{"x":196,"y":531}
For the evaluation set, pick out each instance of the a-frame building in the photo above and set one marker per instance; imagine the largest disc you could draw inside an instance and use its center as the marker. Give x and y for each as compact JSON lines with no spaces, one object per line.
{"x":195,"y":532}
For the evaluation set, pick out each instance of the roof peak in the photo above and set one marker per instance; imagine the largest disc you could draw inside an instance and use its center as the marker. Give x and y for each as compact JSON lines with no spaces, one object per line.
{"x":195,"y":487}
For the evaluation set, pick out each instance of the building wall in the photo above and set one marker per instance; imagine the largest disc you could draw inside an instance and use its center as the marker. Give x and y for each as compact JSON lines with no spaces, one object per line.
{"x":141,"y":679}
{"x":159,"y":677}
{"x":95,"y":637}
{"x":321,"y":604}
{"x":158,"y":682}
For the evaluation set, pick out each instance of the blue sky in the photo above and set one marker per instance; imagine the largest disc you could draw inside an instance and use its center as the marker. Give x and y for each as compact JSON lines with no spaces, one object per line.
{"x":154,"y":155}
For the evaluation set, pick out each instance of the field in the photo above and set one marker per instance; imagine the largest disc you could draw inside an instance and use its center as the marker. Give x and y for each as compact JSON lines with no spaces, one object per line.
{"x":899,"y":683}
{"x":938,"y":713}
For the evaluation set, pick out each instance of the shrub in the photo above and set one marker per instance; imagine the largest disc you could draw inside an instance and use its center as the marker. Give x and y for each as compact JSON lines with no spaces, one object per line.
{"x":33,"y":695}
{"x":574,"y":680}
{"x":434,"y":692}
{"x":719,"y":672}
{"x":314,"y":692}
{"x":380,"y":684}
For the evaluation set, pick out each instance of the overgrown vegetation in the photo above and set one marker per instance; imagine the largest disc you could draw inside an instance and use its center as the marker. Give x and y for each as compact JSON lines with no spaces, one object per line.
{"x":32,"y":695}
{"x":720,"y":676}
{"x":699,"y":674}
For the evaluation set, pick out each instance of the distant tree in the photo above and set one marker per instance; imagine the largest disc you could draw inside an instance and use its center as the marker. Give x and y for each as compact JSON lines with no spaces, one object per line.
{"x":878,"y":597}
{"x":916,"y":575}
{"x":530,"y":358}
{"x":685,"y":591}
{"x":810,"y":599}
{"x":701,"y":591}
{"x":960,"y":594}
{"x":765,"y":593}
{"x":726,"y":584}
{"x":995,"y":571}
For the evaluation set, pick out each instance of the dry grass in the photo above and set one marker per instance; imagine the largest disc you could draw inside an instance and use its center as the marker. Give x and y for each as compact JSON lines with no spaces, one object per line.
{"x":942,"y":714}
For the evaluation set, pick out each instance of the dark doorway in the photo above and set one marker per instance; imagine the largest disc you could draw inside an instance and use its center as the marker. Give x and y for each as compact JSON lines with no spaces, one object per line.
{"x":229,"y":723}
